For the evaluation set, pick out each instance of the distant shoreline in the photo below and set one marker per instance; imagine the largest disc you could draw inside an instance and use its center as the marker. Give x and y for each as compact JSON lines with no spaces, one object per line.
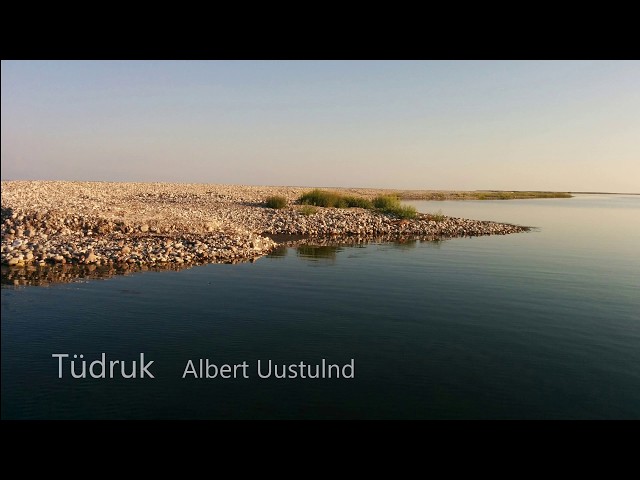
{"x":603,"y":193}
{"x":402,"y":193}
{"x":367,"y":192}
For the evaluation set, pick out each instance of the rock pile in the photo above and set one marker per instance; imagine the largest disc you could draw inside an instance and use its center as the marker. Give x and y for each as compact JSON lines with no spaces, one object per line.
{"x":154,"y":224}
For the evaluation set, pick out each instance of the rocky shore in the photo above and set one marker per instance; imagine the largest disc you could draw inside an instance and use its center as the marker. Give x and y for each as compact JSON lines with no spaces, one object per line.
{"x":124,"y":225}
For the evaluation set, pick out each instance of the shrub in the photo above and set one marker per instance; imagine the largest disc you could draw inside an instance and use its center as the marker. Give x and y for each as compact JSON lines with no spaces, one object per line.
{"x":275,"y":201}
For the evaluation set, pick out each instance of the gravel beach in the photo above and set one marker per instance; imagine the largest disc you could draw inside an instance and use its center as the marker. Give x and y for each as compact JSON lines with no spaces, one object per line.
{"x":151,"y":225}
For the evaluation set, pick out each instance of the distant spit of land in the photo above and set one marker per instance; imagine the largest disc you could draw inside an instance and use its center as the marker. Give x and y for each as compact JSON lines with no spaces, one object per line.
{"x":604,"y":193}
{"x":134,"y":225}
{"x":461,"y":194}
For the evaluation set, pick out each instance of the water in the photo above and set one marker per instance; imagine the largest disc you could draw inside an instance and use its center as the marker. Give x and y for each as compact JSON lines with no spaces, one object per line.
{"x":544,"y":324}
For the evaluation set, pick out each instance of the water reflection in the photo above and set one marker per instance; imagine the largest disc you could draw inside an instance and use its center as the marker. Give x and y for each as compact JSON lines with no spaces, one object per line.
{"x":279,"y":252}
{"x":67,"y":273}
{"x":406,"y":244}
{"x":410,"y":244}
{"x":313,"y":249}
{"x":318,"y":252}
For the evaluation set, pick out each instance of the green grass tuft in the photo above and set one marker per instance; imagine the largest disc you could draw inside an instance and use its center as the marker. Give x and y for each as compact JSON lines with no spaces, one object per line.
{"x":385,"y":203}
{"x":402,"y":211}
{"x":308,"y":210}
{"x":320,"y":198}
{"x":358,"y":202}
{"x":436,"y":217}
{"x":276,"y":201}
{"x":324,"y":198}
{"x":390,"y":205}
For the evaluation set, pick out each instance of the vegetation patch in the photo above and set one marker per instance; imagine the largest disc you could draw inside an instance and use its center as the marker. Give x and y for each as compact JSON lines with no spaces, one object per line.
{"x":276,"y":201}
{"x":388,"y":204}
{"x":327,"y":199}
{"x":391,"y":205}
{"x":502,"y":195}
{"x":435,"y":217}
{"x":358,"y":202}
{"x":479,"y":195}
{"x":384,"y":202}
{"x":308,"y":210}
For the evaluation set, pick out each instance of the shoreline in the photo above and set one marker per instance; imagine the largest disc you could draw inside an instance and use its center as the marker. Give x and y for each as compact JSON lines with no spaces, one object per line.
{"x":54,"y":273}
{"x":162,"y":224}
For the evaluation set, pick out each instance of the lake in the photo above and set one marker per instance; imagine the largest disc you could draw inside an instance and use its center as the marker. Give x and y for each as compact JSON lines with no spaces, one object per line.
{"x":537,"y":325}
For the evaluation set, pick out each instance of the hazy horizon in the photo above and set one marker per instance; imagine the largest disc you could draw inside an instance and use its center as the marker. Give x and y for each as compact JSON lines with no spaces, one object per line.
{"x":314,"y":185}
{"x":428,"y":125}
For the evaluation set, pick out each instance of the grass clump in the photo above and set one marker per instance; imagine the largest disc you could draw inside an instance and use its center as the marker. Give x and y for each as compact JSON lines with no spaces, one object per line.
{"x":384,"y":202}
{"x":358,"y":202}
{"x":436,"y":217}
{"x":307,"y":210}
{"x":388,"y":204}
{"x":320,"y":198}
{"x":276,"y":201}
{"x":391,"y":205}
{"x":402,"y":211}
{"x":324,"y":198}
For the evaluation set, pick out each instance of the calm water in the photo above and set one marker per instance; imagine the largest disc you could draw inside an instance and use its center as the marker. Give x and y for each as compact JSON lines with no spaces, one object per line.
{"x":544,"y":324}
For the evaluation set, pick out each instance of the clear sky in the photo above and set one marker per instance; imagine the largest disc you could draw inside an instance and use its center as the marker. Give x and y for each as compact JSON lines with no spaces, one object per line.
{"x":523,"y":125}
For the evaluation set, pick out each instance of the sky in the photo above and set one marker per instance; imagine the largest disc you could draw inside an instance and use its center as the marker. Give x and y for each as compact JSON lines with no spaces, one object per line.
{"x":465,"y":125}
